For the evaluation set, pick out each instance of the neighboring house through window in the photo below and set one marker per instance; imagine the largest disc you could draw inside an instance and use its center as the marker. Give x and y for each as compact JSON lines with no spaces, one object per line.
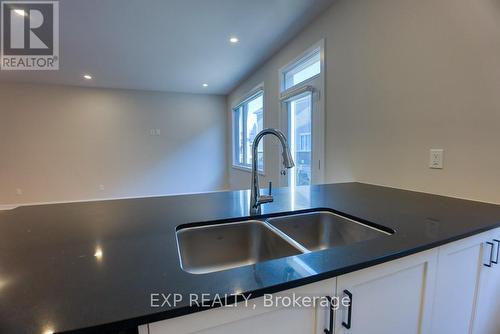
{"x":248,"y":121}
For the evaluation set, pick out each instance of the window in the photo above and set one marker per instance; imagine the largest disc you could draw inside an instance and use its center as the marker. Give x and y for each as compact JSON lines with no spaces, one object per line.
{"x":304,"y":142}
{"x":248,"y":121}
{"x":306,"y":68}
{"x":302,"y":117}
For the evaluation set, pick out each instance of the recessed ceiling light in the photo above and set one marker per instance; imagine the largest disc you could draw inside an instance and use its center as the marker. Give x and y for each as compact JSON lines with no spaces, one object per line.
{"x":234,"y":40}
{"x":20,"y":12}
{"x":87,"y":76}
{"x":205,"y":85}
{"x":98,"y":253}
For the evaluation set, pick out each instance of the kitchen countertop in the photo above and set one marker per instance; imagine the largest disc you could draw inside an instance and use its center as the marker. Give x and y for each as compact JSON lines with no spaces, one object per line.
{"x":51,"y":279}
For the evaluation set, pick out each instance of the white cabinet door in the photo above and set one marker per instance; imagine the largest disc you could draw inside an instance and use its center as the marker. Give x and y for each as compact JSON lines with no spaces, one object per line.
{"x":487,"y":315}
{"x":391,"y":298}
{"x":460,"y":270}
{"x":249,"y":320}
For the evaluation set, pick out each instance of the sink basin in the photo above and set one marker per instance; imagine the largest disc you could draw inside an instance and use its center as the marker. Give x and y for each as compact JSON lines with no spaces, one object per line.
{"x":214,"y":247}
{"x":323,"y":229}
{"x":210,"y":248}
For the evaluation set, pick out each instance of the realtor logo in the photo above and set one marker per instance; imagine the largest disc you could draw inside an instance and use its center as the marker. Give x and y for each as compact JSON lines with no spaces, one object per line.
{"x":29,"y":35}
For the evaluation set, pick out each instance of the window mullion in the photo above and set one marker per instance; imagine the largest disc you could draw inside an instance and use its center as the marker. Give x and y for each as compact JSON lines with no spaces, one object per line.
{"x":236,"y":139}
{"x":245,"y":139}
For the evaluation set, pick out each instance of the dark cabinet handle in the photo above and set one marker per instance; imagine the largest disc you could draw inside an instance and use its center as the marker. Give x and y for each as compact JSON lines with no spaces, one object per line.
{"x":491,"y":254}
{"x":330,"y":329}
{"x":349,"y":311}
{"x":498,"y":250}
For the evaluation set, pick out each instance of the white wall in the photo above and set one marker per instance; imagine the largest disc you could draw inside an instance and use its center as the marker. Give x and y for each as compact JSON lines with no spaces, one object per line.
{"x":60,"y":143}
{"x":403,"y":76}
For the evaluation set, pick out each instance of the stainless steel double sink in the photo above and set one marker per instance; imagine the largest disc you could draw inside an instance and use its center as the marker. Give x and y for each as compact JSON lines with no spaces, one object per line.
{"x":214,"y":247}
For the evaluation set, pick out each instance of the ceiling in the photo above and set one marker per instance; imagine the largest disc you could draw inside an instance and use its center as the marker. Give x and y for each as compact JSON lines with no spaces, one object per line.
{"x":170,"y":45}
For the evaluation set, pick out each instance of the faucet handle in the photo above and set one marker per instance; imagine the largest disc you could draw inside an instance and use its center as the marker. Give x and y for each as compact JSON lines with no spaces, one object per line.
{"x":265,"y":199}
{"x":270,"y":188}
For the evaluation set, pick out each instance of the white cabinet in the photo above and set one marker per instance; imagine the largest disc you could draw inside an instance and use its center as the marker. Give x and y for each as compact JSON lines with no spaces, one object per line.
{"x":458,"y":275}
{"x":452,"y":289}
{"x":258,"y":319}
{"x":391,"y":298}
{"x":467,"y":293}
{"x":487,"y":313}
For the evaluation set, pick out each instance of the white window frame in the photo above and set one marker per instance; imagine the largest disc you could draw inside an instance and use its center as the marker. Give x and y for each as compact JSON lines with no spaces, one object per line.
{"x":315,"y":85}
{"x":296,"y":62}
{"x":250,"y":95}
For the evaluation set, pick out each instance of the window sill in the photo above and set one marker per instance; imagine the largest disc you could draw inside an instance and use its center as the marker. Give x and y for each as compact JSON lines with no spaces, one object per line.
{"x":247,"y":169}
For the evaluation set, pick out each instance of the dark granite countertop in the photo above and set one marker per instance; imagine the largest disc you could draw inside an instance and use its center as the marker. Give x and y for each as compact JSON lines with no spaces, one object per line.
{"x":50,"y":278}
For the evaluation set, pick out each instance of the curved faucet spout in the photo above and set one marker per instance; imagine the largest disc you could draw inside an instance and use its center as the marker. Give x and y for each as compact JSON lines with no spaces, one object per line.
{"x":256,"y":199}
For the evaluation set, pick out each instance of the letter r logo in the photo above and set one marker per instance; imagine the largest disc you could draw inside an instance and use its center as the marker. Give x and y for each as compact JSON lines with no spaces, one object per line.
{"x":18,"y":18}
{"x":28,"y":28}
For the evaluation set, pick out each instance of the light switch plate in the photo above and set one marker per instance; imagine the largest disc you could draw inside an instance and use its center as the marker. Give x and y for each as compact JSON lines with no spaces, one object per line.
{"x":436,"y":159}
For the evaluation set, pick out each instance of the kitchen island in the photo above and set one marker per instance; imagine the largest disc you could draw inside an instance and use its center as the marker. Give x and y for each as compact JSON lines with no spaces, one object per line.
{"x":91,"y":267}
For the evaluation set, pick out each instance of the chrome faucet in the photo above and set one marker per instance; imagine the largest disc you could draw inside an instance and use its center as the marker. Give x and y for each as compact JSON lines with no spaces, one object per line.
{"x":256,"y":199}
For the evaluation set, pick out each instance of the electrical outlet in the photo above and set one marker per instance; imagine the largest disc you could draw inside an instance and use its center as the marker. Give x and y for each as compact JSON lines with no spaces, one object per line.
{"x":19,"y":191}
{"x":436,"y":159}
{"x":101,"y":187}
{"x":154,"y":132}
